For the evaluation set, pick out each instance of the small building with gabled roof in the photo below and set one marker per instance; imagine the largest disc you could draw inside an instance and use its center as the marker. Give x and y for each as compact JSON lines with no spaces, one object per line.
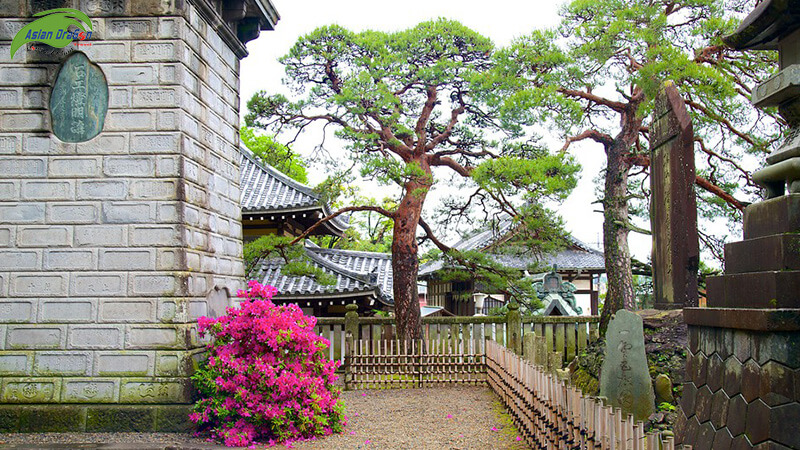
{"x":274,"y":203}
{"x":577,"y":263}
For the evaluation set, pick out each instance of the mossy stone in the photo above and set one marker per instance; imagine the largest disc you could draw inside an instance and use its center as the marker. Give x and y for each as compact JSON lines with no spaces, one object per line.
{"x":174,"y":419}
{"x":52,"y":419}
{"x":9,"y":419}
{"x":663,"y":388}
{"x":120,"y":418}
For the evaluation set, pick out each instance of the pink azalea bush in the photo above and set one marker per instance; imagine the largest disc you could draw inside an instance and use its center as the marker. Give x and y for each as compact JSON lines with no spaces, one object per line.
{"x":266,"y":377}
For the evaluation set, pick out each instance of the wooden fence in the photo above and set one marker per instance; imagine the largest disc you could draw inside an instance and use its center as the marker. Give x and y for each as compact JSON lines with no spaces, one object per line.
{"x":551,"y":415}
{"x":568,"y":335}
{"x":382,"y":364}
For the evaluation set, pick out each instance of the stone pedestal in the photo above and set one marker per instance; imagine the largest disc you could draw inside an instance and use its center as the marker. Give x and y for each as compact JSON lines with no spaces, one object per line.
{"x":111,"y":248}
{"x":742,"y":387}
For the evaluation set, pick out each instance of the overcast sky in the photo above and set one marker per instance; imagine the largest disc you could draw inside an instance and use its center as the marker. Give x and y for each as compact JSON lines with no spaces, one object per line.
{"x":500,"y":20}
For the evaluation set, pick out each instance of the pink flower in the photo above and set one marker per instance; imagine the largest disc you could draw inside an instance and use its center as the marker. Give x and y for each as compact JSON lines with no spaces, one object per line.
{"x":449,"y":416}
{"x":519,"y":438}
{"x":367,"y":441}
{"x":352,"y":433}
{"x":494,"y":428}
{"x":267,"y":365}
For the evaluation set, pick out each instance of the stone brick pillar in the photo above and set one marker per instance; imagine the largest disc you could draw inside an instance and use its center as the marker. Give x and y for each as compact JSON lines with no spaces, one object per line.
{"x":111,"y":248}
{"x":742,"y":385}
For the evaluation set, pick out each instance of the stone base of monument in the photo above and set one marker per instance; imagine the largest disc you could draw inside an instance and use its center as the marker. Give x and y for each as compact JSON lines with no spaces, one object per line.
{"x":742,"y":387}
{"x":95,"y":418}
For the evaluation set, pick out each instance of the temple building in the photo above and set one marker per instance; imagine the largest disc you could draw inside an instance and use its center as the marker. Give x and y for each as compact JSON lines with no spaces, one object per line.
{"x":578,"y":264}
{"x":274,"y":203}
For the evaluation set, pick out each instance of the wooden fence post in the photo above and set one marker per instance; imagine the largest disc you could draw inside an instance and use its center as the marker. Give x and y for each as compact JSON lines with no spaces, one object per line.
{"x":514,"y":328}
{"x":528,"y":347}
{"x":350,"y":337}
{"x":351,"y":321}
{"x":540,"y":352}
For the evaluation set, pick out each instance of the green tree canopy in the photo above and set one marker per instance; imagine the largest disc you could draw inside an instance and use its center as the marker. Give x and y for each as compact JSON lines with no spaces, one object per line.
{"x":405,"y":105}
{"x":594,"y":77}
{"x":277,"y":155}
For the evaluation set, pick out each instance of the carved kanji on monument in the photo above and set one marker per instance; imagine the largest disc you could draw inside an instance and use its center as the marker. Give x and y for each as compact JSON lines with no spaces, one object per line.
{"x":673,"y":211}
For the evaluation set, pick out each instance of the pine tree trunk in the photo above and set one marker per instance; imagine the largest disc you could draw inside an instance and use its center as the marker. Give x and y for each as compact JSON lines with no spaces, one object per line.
{"x":615,"y":224}
{"x":405,"y":261}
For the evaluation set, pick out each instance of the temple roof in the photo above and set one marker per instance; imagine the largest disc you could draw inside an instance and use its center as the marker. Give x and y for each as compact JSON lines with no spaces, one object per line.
{"x":378,"y":266}
{"x":357,"y":273}
{"x":577,"y":256}
{"x":266,"y":190}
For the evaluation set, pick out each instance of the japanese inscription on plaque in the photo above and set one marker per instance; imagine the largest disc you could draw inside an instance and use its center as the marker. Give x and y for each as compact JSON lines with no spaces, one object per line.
{"x":625,"y":377}
{"x":79,"y":101}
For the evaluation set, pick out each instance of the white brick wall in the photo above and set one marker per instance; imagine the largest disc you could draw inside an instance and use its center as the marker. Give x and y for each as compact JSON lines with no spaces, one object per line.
{"x":108,"y":248}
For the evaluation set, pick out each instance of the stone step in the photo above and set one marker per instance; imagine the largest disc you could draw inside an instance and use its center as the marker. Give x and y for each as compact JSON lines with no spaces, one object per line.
{"x":777,"y":252}
{"x":775,"y":216}
{"x":774,"y":289}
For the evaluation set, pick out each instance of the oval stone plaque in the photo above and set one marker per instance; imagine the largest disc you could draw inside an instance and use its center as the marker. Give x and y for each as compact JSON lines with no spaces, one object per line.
{"x":79,"y":101}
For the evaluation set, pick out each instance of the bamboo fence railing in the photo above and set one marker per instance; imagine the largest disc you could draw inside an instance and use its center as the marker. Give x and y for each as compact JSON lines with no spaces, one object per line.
{"x":408,"y":364}
{"x":567,"y":335}
{"x":551,"y":415}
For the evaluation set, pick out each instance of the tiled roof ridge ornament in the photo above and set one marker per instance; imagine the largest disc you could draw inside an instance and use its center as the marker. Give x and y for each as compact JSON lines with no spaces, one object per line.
{"x":775,"y":25}
{"x":553,"y":286}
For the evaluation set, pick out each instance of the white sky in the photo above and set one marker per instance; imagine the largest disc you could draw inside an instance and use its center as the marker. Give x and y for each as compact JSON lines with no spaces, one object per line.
{"x":500,"y":20}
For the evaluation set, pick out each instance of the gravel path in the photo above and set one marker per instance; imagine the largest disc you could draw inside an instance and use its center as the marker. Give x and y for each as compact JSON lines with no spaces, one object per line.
{"x":467,"y":417}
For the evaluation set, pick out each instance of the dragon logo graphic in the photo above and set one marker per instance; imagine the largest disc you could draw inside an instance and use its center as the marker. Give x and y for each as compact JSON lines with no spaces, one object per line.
{"x":52,"y":28}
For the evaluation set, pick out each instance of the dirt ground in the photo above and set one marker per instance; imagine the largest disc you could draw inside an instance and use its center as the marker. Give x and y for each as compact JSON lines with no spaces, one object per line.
{"x":467,"y":417}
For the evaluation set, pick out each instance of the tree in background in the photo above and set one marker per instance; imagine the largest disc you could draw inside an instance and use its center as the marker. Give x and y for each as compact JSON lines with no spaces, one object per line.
{"x":275,"y":154}
{"x":404,"y":103}
{"x":595,"y":77}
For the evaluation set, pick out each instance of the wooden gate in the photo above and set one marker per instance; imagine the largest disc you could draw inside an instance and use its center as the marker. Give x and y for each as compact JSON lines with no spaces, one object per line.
{"x":371,"y":364}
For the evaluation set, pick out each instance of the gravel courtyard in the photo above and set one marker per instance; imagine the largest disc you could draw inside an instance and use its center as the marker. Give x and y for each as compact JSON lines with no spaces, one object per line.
{"x":465,"y":417}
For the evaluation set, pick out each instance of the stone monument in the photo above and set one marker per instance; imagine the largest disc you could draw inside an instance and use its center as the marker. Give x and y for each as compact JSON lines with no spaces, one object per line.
{"x":742,"y":386}
{"x":119,"y":208}
{"x":673,"y":208}
{"x":625,"y":377}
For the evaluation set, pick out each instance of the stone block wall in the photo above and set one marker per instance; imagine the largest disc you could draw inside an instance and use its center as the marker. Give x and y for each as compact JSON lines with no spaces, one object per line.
{"x":742,"y":390}
{"x":111,"y":248}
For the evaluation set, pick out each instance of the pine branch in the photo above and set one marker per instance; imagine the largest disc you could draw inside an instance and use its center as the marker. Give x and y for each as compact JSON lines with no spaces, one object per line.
{"x":319,"y":223}
{"x":594,"y":135}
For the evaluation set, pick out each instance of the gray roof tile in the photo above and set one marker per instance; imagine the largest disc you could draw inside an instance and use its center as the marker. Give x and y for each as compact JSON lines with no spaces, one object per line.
{"x":351,"y":269}
{"x":265,"y":189}
{"x":578,"y":256}
{"x":377,"y":267}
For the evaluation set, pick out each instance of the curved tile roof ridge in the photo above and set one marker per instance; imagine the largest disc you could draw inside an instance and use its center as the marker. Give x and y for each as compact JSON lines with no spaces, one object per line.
{"x":256,"y":188}
{"x":347,"y":281}
{"x":322,"y":261}
{"x":375,"y":267}
{"x":286,"y":179}
{"x":319,"y":249}
{"x":582,"y":245}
